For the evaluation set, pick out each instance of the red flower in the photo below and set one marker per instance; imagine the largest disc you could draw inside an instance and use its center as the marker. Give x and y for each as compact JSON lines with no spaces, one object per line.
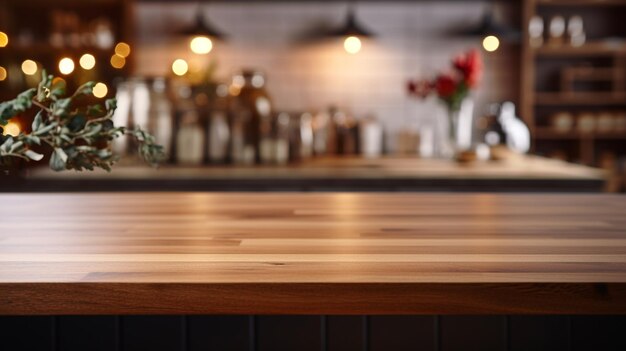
{"x":445,"y":85}
{"x":470,"y":65}
{"x":419,"y":88}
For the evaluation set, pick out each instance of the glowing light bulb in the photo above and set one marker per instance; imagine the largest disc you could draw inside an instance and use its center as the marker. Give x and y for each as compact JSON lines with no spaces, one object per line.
{"x":352,"y":45}
{"x":118,"y":61}
{"x":100,"y":90}
{"x":12,"y":128}
{"x":66,"y":65}
{"x":29,"y":67}
{"x":180,"y":67}
{"x":3,"y":73}
{"x":122,"y":49}
{"x":87,"y":61}
{"x":4,"y":39}
{"x":201,"y":45}
{"x":491,"y":43}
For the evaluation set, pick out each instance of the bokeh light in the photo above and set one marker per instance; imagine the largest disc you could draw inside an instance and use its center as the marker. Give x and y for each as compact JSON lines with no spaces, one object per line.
{"x":180,"y":67}
{"x":66,"y":65}
{"x":118,"y":61}
{"x":491,"y":43}
{"x":87,"y":61}
{"x":122,"y":49}
{"x":29,"y":67}
{"x":201,"y":45}
{"x":12,"y":128}
{"x":352,"y":45}
{"x":4,"y":39}
{"x":100,"y":90}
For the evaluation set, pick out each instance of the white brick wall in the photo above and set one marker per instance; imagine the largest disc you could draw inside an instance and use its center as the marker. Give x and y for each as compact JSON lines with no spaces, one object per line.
{"x":412,"y":39}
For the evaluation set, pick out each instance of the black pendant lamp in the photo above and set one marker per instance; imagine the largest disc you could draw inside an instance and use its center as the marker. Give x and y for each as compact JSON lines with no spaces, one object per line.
{"x":202,"y":34}
{"x":492,"y":32}
{"x":352,"y":32}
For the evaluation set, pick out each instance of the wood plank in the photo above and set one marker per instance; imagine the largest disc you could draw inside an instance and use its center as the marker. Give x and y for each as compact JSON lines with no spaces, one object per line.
{"x":343,"y":253}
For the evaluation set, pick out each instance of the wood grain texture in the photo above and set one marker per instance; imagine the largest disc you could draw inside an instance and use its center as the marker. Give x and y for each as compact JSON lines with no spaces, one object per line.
{"x":343,"y":253}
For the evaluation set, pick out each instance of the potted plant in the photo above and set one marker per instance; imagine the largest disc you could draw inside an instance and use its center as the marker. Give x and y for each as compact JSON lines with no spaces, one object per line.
{"x":75,"y":131}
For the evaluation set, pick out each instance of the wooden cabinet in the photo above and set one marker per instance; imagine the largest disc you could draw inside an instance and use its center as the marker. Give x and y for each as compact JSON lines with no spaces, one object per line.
{"x":574,"y":95}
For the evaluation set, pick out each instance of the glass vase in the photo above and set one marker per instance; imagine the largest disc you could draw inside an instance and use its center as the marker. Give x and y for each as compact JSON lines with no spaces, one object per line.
{"x":455,"y":129}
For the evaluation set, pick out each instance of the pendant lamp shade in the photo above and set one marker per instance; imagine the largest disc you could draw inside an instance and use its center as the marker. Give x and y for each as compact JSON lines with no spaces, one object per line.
{"x":202,"y":27}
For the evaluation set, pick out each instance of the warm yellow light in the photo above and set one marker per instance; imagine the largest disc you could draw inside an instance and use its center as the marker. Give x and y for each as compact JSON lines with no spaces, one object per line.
{"x":59,"y":82}
{"x":12,"y":128}
{"x":3,"y":73}
{"x":180,"y":67}
{"x":352,"y":45}
{"x":29,"y":67}
{"x":491,"y":43}
{"x":66,"y":65}
{"x":87,"y":61}
{"x":122,"y":49}
{"x":4,"y":39}
{"x":118,"y":61}
{"x":201,"y":45}
{"x":100,"y":90}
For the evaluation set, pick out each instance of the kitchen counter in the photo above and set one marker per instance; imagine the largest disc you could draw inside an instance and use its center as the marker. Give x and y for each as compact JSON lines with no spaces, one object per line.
{"x":520,"y":173}
{"x":342,"y":253}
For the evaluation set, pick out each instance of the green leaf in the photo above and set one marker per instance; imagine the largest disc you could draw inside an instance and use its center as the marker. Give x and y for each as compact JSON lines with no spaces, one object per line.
{"x":110,"y":104}
{"x":58,"y":159}
{"x":33,"y":155}
{"x":77,"y":123}
{"x":85,"y":89}
{"x":33,"y":139}
{"x":37,"y":121}
{"x":61,"y":107}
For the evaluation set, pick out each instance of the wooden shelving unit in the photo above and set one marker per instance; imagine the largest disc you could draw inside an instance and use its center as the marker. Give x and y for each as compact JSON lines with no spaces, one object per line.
{"x":34,"y":19}
{"x":599,"y":63}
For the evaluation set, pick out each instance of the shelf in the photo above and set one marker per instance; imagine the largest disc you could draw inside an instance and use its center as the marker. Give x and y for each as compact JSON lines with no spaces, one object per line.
{"x":581,"y":2}
{"x":580,"y":99}
{"x":45,"y":49}
{"x":65,"y":3}
{"x":550,"y":134}
{"x":600,"y":48}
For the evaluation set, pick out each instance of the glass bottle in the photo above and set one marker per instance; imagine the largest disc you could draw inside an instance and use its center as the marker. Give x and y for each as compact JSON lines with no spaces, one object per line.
{"x":161,"y":123}
{"x":189,"y":136}
{"x":251,"y":112}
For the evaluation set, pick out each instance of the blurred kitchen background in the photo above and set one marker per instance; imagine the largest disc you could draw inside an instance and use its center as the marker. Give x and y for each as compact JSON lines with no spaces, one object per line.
{"x":275,"y":83}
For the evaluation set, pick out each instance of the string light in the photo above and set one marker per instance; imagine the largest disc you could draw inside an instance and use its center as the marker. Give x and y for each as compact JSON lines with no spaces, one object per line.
{"x":29,"y":67}
{"x":201,"y":45}
{"x":491,"y":43}
{"x":122,"y":49}
{"x":87,"y":61}
{"x":180,"y":67}
{"x":100,"y":90}
{"x":3,"y":73}
{"x":352,"y":45}
{"x":66,"y":65}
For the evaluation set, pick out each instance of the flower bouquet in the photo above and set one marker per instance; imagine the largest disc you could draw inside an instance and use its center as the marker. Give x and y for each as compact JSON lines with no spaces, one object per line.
{"x":453,"y":89}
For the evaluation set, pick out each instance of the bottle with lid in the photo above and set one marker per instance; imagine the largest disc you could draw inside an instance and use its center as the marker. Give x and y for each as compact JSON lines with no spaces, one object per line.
{"x":251,"y":116}
{"x":161,"y":122}
{"x":189,"y":135}
{"x":218,"y":128}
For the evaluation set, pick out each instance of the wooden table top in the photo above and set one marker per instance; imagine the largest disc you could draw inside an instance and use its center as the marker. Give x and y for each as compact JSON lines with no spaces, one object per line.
{"x":336,"y":173}
{"x":352,"y":253}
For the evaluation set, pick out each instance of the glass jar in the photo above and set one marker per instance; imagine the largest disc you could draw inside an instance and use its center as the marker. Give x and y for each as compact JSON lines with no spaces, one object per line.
{"x":161,"y":121}
{"x":189,"y":134}
{"x":251,"y":117}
